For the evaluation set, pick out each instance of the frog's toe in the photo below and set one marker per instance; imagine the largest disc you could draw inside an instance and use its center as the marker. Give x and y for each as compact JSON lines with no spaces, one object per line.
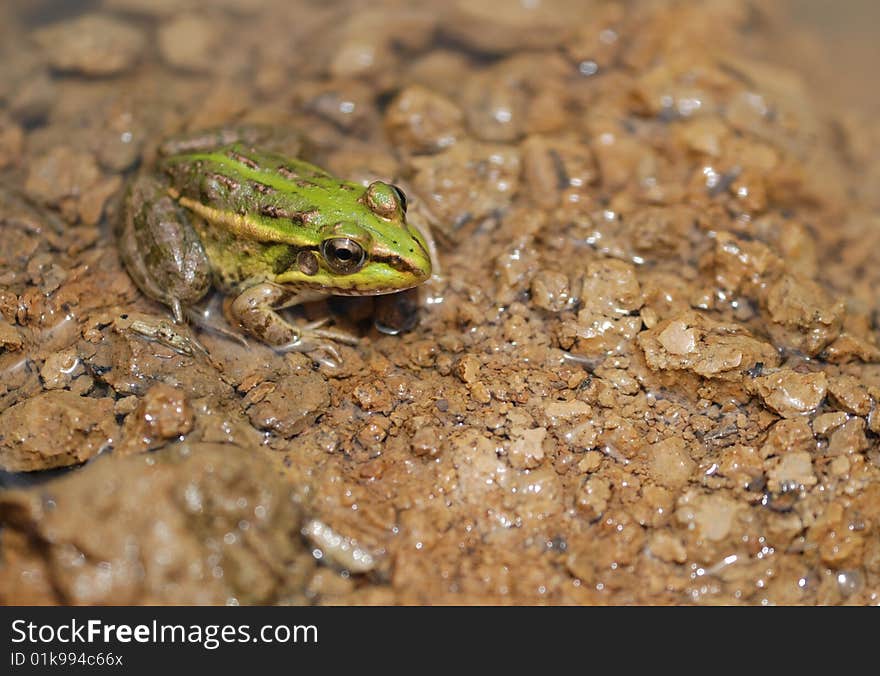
{"x":312,"y":330}
{"x":320,"y":352}
{"x":332,"y":359}
{"x":178,"y":338}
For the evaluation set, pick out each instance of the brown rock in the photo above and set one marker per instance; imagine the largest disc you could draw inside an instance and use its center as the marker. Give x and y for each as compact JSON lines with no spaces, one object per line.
{"x":93,"y":45}
{"x":874,"y":420}
{"x":61,"y":173}
{"x":91,"y":206}
{"x":423,"y":121}
{"x":826,"y":422}
{"x":563,"y":412}
{"x":500,"y":26}
{"x":790,"y":393}
{"x":848,"y":347}
{"x":189,"y":41}
{"x":468,"y":369}
{"x":427,"y":441}
{"x":839,"y":544}
{"x":60,"y":369}
{"x":668,"y":462}
{"x":496,"y":101}
{"x":527,"y":448}
{"x":295,"y":402}
{"x":660,"y":232}
{"x":741,"y":266}
{"x":788,"y":435}
{"x":11,"y":142}
{"x":203,"y":524}
{"x":791,"y":471}
{"x":592,"y":497}
{"x":850,"y":395}
{"x":366,"y":41}
{"x":550,"y":291}
{"x":714,"y":515}
{"x":10,"y":337}
{"x":848,"y":438}
{"x":711,"y":349}
{"x":610,"y":294}
{"x":805,"y":317}
{"x":741,"y":464}
{"x":55,"y":429}
{"x":557,"y":169}
{"x":466,"y":182}
{"x":667,"y":547}
{"x":162,"y":414}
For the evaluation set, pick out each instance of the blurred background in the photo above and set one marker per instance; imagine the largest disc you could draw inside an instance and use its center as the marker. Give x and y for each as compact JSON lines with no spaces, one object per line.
{"x":846,"y":60}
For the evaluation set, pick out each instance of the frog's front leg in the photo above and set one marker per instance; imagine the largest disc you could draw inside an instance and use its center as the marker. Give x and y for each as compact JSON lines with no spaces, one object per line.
{"x":256,"y":308}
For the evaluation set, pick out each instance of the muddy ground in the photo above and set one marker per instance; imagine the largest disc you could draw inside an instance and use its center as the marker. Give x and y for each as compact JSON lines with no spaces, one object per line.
{"x":647,"y":370}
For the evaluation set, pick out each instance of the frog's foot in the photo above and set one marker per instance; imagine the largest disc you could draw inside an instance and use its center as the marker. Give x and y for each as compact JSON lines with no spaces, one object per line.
{"x":321,"y":352}
{"x":162,"y":331}
{"x":256,"y":310}
{"x":314,"y":340}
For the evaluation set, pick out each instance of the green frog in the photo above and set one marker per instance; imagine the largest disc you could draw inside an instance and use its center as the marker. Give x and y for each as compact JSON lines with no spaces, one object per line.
{"x":222,"y":209}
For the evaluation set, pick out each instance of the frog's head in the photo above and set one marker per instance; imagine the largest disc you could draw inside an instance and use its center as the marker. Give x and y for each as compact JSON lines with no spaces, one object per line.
{"x":371,"y":250}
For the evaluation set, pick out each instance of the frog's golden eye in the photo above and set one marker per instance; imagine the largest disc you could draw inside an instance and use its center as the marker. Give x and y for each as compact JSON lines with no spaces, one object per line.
{"x":401,"y":196}
{"x":343,"y":255}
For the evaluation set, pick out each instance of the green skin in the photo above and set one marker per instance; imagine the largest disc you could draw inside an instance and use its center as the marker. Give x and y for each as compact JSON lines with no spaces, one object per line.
{"x":270,"y":230}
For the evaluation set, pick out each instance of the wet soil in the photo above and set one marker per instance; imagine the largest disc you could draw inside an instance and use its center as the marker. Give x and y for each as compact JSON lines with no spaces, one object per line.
{"x":646,"y":370}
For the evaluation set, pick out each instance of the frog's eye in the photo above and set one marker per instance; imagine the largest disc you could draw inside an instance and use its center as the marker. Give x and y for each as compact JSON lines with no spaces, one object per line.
{"x":384,"y":199}
{"x":401,"y":197}
{"x":343,"y":255}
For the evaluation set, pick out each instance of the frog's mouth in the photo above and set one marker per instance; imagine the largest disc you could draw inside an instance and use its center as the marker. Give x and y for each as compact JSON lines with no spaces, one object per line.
{"x":382,"y":279}
{"x":378,"y":277}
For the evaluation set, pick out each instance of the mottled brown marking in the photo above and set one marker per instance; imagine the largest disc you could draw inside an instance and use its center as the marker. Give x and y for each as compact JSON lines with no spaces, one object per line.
{"x":274,"y":211}
{"x":288,"y":173}
{"x":229,"y":183}
{"x":262,"y":188}
{"x":303,"y":217}
{"x":396,"y":262}
{"x":242,"y":159}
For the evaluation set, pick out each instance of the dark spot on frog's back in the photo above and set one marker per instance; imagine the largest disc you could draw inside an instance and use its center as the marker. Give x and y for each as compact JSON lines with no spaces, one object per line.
{"x":217,"y":186}
{"x":289,"y":173}
{"x":227,"y":182}
{"x":262,"y":188}
{"x":304,"y":217}
{"x":274,"y":211}
{"x":242,"y":159}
